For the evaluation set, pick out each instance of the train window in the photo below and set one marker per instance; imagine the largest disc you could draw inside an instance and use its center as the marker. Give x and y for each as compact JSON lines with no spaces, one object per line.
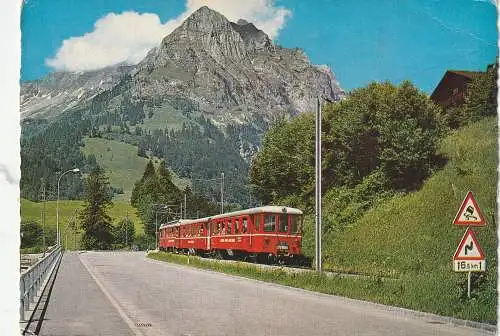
{"x":236,"y":226}
{"x":223,"y":228}
{"x":269,"y":223}
{"x":244,"y":229}
{"x":296,"y":223}
{"x":256,"y":222}
{"x":229,"y":227}
{"x":283,"y":225}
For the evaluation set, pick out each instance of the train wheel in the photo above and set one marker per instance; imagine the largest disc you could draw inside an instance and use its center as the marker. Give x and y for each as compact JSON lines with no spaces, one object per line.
{"x":256,"y":258}
{"x":219,"y":255}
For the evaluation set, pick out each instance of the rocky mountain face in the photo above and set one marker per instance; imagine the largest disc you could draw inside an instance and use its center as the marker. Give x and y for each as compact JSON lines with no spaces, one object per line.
{"x":228,"y":71}
{"x":61,"y":91}
{"x":201,"y":100}
{"x":232,"y":71}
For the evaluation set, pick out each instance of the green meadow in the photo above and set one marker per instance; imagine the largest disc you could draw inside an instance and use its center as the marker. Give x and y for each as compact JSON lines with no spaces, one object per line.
{"x":31,"y":211}
{"x":122,"y":164}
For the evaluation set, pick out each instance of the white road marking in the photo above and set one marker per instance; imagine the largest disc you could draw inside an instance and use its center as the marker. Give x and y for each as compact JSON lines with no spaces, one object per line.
{"x":115,"y":304}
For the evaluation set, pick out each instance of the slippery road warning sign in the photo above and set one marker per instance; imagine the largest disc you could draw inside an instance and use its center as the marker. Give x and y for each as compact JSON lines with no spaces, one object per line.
{"x":469,"y":256}
{"x":469,"y":212}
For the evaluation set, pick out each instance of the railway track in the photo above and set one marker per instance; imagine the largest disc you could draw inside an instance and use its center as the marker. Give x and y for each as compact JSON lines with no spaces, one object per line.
{"x":287,"y":268}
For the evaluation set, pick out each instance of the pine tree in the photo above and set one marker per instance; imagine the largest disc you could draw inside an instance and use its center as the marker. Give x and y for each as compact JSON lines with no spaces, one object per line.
{"x":170,"y":193}
{"x":94,"y":219}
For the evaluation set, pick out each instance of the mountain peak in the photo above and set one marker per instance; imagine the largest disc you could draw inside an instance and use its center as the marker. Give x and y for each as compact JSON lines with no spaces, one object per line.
{"x":205,"y":13}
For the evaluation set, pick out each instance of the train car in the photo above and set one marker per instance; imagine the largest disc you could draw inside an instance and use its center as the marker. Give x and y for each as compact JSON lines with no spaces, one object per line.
{"x":272,"y":232}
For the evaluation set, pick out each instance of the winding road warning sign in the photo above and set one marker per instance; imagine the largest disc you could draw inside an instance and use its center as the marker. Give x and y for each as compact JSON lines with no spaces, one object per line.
{"x":469,"y":256}
{"x":469,"y":248}
{"x":469,"y":212}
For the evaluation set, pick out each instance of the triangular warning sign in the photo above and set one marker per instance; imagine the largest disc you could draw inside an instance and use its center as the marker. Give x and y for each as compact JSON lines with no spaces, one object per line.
{"x":469,"y":248}
{"x":469,"y":213}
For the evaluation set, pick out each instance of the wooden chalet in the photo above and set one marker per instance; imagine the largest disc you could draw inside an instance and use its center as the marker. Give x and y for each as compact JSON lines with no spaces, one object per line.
{"x":451,"y":89}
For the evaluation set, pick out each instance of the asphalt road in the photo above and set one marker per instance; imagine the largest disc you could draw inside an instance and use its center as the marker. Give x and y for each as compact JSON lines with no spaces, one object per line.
{"x":77,"y":305}
{"x":122,"y":293}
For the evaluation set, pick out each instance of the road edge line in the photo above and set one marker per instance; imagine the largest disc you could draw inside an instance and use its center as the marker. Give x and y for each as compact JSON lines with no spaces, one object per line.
{"x":113,"y":302}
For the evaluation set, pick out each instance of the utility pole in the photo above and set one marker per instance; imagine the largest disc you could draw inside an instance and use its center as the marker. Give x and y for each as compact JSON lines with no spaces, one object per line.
{"x":74,"y":229}
{"x":126,"y":230}
{"x":318,"y":182}
{"x":222,"y":193}
{"x":43,"y":216}
{"x":74,"y":236}
{"x":156,"y":231}
{"x":318,"y":187}
{"x":185,"y":204}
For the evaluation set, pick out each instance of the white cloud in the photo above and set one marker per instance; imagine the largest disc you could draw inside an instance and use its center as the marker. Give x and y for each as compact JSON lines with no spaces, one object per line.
{"x":127,"y":37}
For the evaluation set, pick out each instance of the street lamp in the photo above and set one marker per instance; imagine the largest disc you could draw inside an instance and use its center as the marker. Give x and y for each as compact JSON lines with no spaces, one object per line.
{"x":318,"y":183}
{"x":74,"y":170}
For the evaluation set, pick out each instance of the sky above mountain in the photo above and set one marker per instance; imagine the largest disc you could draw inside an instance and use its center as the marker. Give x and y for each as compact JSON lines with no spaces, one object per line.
{"x":362,"y":41}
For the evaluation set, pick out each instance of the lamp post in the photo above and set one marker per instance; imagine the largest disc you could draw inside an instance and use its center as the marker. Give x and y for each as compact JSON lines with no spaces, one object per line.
{"x":74,"y":170}
{"x":318,"y":183}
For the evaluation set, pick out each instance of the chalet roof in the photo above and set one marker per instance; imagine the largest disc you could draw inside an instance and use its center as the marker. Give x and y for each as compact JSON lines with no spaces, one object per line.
{"x":440,"y":92}
{"x":468,"y":74}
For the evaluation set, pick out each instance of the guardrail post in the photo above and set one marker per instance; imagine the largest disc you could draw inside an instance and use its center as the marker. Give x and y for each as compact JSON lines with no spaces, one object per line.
{"x":22,"y":299}
{"x":32,"y":279}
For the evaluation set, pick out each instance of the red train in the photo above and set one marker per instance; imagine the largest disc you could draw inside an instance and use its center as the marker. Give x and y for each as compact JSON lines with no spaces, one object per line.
{"x":263,"y":233}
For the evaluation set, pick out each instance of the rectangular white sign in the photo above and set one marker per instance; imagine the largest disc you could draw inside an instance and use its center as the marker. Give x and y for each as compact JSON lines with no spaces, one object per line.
{"x":469,"y":265}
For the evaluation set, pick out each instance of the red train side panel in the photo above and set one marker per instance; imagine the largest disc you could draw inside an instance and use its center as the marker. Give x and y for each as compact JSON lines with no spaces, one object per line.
{"x":271,"y":229}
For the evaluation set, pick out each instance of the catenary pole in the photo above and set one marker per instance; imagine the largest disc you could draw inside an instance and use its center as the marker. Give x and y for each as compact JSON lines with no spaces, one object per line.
{"x":318,"y":187}
{"x":222,"y":194}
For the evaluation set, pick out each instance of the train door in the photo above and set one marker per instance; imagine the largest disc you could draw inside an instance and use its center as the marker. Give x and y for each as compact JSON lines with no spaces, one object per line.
{"x":256,"y":229}
{"x":270,"y":234}
{"x":209,"y":233}
{"x":246,"y":230}
{"x":283,"y":233}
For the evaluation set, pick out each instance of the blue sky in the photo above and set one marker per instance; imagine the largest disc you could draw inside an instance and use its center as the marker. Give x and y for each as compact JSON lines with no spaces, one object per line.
{"x":362,"y":41}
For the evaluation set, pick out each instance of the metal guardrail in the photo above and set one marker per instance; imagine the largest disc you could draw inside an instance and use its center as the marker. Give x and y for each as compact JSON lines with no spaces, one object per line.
{"x":32,"y":279}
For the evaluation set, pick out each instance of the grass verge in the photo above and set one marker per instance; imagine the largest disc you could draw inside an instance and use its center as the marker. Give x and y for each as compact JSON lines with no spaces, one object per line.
{"x":404,"y":292}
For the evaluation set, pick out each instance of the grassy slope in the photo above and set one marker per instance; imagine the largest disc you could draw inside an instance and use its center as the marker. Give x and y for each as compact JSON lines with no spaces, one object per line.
{"x":32,"y":211}
{"x":122,"y":164}
{"x":164,"y":117}
{"x":412,"y":237}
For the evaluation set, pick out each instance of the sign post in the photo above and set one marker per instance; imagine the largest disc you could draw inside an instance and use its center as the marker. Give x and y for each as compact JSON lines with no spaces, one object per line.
{"x":469,"y":256}
{"x":468,"y":284}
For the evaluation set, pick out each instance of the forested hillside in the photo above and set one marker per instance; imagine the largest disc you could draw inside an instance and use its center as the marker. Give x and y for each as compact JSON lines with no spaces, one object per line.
{"x":198,"y":151}
{"x":396,"y":168}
